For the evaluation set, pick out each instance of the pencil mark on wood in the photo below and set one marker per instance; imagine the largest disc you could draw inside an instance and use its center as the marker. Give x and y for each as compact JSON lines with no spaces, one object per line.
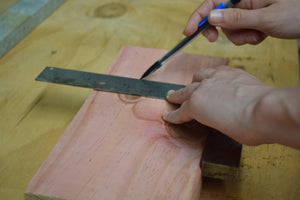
{"x":110,"y":10}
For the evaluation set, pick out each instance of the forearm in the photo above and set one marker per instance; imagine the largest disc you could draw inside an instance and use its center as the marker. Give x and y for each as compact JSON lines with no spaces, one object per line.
{"x":276,"y":117}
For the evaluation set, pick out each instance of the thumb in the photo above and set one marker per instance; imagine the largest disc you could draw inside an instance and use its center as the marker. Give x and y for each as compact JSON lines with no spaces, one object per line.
{"x":235,"y":18}
{"x":178,"y":116}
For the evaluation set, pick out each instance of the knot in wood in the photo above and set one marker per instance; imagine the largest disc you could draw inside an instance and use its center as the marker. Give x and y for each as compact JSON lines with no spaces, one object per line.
{"x":110,"y":10}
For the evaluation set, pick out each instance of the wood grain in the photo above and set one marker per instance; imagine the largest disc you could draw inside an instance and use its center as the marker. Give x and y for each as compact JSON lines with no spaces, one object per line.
{"x":118,"y":146}
{"x":33,"y":116}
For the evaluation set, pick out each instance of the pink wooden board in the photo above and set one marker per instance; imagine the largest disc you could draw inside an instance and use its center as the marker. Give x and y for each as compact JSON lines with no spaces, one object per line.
{"x":118,"y":146}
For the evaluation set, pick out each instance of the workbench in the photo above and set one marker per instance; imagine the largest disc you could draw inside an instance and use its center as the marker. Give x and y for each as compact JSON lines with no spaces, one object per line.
{"x":87,"y":35}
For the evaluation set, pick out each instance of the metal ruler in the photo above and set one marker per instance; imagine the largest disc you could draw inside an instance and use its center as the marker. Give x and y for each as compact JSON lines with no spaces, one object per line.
{"x":107,"y":83}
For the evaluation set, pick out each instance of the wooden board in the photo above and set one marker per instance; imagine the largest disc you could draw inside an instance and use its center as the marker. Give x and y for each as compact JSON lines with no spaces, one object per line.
{"x":6,"y":4}
{"x":118,"y":146}
{"x":34,"y":116}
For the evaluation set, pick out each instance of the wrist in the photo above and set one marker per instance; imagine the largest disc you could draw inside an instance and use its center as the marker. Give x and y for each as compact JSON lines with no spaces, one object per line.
{"x":276,"y":117}
{"x":258,"y":117}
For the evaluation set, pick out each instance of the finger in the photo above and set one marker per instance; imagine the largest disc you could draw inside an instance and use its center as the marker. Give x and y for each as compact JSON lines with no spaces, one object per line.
{"x":235,"y":18}
{"x":208,"y":5}
{"x":240,"y":37}
{"x":203,"y":73}
{"x":192,"y":24}
{"x":199,"y":14}
{"x":183,"y":94}
{"x":250,"y":4}
{"x":211,"y":34}
{"x":178,"y":116}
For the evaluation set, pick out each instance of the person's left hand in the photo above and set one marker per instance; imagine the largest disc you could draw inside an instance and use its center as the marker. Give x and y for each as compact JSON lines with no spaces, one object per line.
{"x":222,"y":98}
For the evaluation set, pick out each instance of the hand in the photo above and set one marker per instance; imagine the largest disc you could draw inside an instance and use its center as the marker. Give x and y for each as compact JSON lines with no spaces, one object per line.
{"x":222,"y":98}
{"x":250,"y":21}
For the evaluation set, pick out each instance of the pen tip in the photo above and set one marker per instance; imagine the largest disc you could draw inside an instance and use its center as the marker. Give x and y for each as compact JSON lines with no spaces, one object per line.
{"x":152,"y":69}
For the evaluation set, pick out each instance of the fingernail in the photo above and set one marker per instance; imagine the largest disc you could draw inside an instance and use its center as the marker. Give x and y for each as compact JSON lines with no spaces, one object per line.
{"x":216,"y":16}
{"x":165,"y":115}
{"x":251,"y":39}
{"x":169,"y":93}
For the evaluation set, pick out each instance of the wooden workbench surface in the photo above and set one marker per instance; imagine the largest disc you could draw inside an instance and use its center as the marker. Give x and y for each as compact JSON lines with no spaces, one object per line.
{"x":87,"y":35}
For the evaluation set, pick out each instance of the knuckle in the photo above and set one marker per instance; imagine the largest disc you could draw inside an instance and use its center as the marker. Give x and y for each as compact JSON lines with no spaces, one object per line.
{"x":183,"y":112}
{"x":239,"y":77}
{"x":189,"y":107}
{"x":197,"y":76}
{"x":194,"y":104}
{"x":182,"y":92}
{"x":195,"y":98}
{"x":270,"y":25}
{"x":204,"y":82}
{"x":236,"y":16}
{"x":222,"y":67}
{"x":221,"y":72}
{"x":193,"y":101}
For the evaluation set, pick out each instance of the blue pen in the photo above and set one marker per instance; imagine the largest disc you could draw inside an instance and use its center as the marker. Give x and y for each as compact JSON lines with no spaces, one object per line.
{"x":203,"y":24}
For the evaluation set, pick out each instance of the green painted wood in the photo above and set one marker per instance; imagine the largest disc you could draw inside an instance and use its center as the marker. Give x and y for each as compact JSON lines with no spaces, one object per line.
{"x":21,"y":18}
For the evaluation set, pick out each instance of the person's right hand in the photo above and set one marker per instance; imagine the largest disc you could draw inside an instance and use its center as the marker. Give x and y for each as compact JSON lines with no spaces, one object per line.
{"x":250,"y":21}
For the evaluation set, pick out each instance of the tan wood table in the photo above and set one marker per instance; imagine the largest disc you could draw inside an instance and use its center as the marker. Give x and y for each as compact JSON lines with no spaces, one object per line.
{"x":87,"y":35}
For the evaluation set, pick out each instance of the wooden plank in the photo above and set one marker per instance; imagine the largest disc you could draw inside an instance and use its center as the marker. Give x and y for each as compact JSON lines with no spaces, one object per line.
{"x":21,"y":18}
{"x":118,"y":146}
{"x":6,"y":4}
{"x":34,"y":116}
